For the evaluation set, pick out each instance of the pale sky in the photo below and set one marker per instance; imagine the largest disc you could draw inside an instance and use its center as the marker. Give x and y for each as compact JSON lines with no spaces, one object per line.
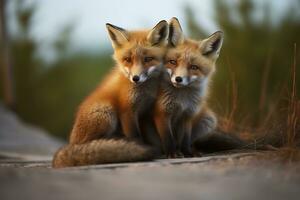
{"x":90,"y":17}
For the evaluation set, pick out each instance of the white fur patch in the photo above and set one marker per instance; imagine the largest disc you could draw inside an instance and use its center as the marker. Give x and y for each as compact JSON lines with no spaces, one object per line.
{"x":169,"y":71}
{"x":185,"y":81}
{"x":173,"y":79}
{"x":126,"y":72}
{"x":203,"y":86}
{"x":151,"y":69}
{"x":143,"y":77}
{"x":194,"y":78}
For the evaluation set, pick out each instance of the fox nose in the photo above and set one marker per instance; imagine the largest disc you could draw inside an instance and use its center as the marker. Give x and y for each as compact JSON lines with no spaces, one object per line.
{"x":135,"y":78}
{"x":178,"y":79}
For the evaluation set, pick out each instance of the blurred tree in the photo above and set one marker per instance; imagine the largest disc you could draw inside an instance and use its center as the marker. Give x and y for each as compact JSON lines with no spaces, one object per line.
{"x":256,"y":54}
{"x":257,"y":51}
{"x":48,"y":95}
{"x":64,"y":86}
{"x":6,"y":89}
{"x":27,"y":68}
{"x":62,"y":41}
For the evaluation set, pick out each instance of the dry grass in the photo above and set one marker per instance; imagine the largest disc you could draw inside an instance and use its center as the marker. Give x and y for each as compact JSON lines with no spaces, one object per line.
{"x":279,"y":126}
{"x":228,"y":120}
{"x":293,"y":108}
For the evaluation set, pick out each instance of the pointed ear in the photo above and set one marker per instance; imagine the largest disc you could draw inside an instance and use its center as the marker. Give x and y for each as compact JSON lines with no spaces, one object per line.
{"x":158,"y":35}
{"x":175,"y":32}
{"x":118,"y":36}
{"x":212,"y":45}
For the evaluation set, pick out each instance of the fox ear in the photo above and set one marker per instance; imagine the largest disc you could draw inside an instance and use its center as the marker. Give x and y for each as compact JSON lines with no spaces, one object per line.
{"x":175,"y":32}
{"x":159,"y":33}
{"x":118,"y":36}
{"x":212,"y":45}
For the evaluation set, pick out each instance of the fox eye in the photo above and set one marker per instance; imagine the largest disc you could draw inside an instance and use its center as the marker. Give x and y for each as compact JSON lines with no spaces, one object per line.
{"x":148,"y":59}
{"x":173,"y":62}
{"x":194,"y":67}
{"x":127,"y":59}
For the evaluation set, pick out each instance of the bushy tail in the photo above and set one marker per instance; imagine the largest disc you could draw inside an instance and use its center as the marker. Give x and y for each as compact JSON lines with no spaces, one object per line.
{"x":101,"y":151}
{"x":219,"y":141}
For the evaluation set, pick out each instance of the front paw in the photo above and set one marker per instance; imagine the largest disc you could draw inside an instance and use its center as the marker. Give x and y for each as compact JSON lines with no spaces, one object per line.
{"x":196,"y":153}
{"x":171,"y":155}
{"x":187,"y":153}
{"x":179,"y":154}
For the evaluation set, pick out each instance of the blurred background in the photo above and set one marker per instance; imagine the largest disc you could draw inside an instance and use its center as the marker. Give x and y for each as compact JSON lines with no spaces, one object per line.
{"x":54,"y":52}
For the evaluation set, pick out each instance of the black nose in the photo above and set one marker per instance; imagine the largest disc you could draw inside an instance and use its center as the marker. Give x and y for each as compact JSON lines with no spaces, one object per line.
{"x":135,"y":78}
{"x":178,"y":79}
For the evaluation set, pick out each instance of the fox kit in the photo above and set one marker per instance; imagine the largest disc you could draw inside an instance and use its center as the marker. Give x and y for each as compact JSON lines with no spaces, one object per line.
{"x":120,"y":102}
{"x":180,"y":110}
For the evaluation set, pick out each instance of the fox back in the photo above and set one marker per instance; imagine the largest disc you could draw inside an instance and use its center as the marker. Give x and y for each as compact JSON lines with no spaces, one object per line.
{"x":128,"y":90}
{"x":115,"y":110}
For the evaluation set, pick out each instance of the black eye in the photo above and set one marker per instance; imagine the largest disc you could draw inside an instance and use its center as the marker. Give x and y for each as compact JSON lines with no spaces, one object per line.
{"x":127,"y":59}
{"x":173,"y":62}
{"x":194,"y":67}
{"x":148,"y":59}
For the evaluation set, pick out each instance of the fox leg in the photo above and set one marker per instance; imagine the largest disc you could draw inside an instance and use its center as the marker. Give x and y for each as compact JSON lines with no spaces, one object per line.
{"x":93,"y":122}
{"x":129,"y":125}
{"x":166,"y":136}
{"x":148,"y":132}
{"x":183,"y":136}
{"x":204,"y":123}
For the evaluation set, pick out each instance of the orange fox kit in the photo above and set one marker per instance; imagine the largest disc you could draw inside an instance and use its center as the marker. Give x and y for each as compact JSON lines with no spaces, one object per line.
{"x":180,"y":111}
{"x":120,"y":102}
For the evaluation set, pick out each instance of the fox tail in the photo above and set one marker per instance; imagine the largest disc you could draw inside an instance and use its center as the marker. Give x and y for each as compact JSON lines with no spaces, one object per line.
{"x":100,"y":152}
{"x":220,"y":141}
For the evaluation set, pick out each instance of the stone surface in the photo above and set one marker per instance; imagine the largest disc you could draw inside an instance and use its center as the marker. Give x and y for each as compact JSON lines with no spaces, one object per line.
{"x":228,"y":177}
{"x":26,"y":173}
{"x":18,"y":138}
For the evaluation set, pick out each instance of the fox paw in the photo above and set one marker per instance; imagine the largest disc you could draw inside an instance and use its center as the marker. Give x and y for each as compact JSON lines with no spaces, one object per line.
{"x":187,"y":153}
{"x":171,"y":156}
{"x":197,"y":154}
{"x":179,"y":154}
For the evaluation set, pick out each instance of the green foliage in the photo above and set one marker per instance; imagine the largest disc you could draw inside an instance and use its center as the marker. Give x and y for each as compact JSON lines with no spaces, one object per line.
{"x":63,"y":40}
{"x":63,"y":86}
{"x":257,"y":53}
{"x":49,"y":95}
{"x":26,"y":69}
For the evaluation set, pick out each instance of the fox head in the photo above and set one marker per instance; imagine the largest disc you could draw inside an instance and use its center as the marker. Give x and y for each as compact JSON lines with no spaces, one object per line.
{"x":190,"y":62}
{"x":139,"y":54}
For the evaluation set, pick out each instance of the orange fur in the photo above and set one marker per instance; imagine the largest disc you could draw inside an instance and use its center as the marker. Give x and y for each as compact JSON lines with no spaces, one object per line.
{"x":180,"y":112}
{"x":119,"y":103}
